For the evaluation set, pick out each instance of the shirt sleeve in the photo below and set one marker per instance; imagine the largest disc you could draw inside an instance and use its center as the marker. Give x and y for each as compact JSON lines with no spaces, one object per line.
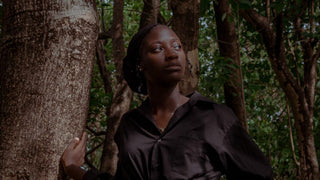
{"x":241,"y":158}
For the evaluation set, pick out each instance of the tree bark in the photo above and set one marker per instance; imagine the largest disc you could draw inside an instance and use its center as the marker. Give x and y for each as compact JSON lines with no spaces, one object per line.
{"x":46,"y":61}
{"x":122,"y":96}
{"x":185,"y":23}
{"x":301,"y":97}
{"x":150,"y":13}
{"x":229,"y":49}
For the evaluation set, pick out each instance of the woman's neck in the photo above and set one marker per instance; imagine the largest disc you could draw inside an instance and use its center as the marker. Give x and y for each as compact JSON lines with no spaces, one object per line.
{"x":165,"y":99}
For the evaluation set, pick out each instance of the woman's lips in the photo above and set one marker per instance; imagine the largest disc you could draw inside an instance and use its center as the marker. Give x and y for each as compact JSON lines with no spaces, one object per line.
{"x":173,"y":67}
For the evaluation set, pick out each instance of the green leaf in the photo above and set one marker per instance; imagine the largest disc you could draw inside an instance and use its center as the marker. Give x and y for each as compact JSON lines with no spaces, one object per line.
{"x":204,"y":6}
{"x":105,"y":4}
{"x":244,"y":4}
{"x":223,"y":16}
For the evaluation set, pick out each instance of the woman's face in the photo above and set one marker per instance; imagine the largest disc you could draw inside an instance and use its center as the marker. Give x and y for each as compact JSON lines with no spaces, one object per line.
{"x":162,"y":57}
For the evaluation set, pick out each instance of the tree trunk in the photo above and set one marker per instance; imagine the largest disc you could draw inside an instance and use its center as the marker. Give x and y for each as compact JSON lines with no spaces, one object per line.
{"x":185,"y":23}
{"x":46,"y":61}
{"x":229,"y":49}
{"x":123,"y":95}
{"x":150,"y":13}
{"x":301,"y":97}
{"x":101,"y":61}
{"x":121,"y":98}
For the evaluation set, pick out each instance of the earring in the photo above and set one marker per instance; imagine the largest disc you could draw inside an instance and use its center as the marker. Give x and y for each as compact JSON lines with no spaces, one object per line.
{"x":139,"y":68}
{"x":139,"y":79}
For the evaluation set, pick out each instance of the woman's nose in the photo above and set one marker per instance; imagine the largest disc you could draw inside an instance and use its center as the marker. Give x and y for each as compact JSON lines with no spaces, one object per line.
{"x":171,"y":54}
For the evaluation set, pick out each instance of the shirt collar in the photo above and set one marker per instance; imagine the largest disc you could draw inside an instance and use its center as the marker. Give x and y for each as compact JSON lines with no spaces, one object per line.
{"x":195,"y":98}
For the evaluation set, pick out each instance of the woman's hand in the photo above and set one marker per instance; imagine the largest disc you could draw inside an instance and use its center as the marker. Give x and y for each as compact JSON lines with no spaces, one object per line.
{"x":73,"y":157}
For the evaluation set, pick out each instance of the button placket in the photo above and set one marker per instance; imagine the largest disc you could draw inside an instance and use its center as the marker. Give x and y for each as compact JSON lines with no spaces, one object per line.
{"x":155,"y":158}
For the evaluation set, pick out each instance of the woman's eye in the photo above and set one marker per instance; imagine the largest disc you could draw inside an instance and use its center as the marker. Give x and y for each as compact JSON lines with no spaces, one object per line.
{"x":176,"y":46}
{"x":157,"y":49}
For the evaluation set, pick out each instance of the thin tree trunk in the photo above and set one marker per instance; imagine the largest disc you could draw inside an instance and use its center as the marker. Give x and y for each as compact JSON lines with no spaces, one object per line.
{"x":46,"y":61}
{"x":122,"y":96}
{"x":185,"y":23}
{"x":121,"y":104}
{"x":101,"y":61}
{"x":300,"y":97}
{"x":150,"y":13}
{"x":229,"y":49}
{"x":291,"y":137}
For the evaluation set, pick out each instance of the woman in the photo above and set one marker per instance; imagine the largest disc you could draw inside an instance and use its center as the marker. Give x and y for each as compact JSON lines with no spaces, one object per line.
{"x":171,"y":136}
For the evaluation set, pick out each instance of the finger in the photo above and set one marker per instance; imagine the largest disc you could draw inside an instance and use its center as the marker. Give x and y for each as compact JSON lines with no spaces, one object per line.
{"x":73,"y":143}
{"x":83,"y":140}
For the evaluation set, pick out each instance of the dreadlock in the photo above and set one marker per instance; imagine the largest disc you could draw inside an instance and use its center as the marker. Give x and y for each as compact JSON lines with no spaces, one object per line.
{"x":132,"y":74}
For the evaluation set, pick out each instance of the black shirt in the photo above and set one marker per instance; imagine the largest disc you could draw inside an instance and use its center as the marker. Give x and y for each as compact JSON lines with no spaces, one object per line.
{"x":203,"y":140}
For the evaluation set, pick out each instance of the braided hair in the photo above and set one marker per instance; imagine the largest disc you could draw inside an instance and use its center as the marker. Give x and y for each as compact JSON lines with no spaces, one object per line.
{"x":131,"y":71}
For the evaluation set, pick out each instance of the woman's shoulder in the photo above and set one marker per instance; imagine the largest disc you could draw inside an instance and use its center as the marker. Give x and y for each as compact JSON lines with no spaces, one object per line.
{"x":216,"y":112}
{"x":198,"y":99}
{"x":138,"y":112}
{"x":129,"y":114}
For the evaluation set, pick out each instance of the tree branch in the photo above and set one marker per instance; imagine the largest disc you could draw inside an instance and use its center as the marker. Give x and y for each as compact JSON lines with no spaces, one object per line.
{"x":311,"y":14}
{"x":100,"y":133}
{"x":268,"y":10}
{"x":150,"y":13}
{"x":316,"y":54}
{"x":307,"y":44}
{"x":169,"y":22}
{"x":301,"y":7}
{"x":102,"y":18}
{"x":272,"y":43}
{"x":101,"y":61}
{"x":104,"y":35}
{"x":86,"y":159}
{"x":291,"y":137}
{"x":292,"y":52}
{"x":279,"y":45}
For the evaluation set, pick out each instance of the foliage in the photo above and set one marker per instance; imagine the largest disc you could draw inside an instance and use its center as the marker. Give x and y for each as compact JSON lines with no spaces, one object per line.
{"x":212,"y":67}
{"x":97,"y":117}
{"x":265,"y":102}
{"x":282,"y":155}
